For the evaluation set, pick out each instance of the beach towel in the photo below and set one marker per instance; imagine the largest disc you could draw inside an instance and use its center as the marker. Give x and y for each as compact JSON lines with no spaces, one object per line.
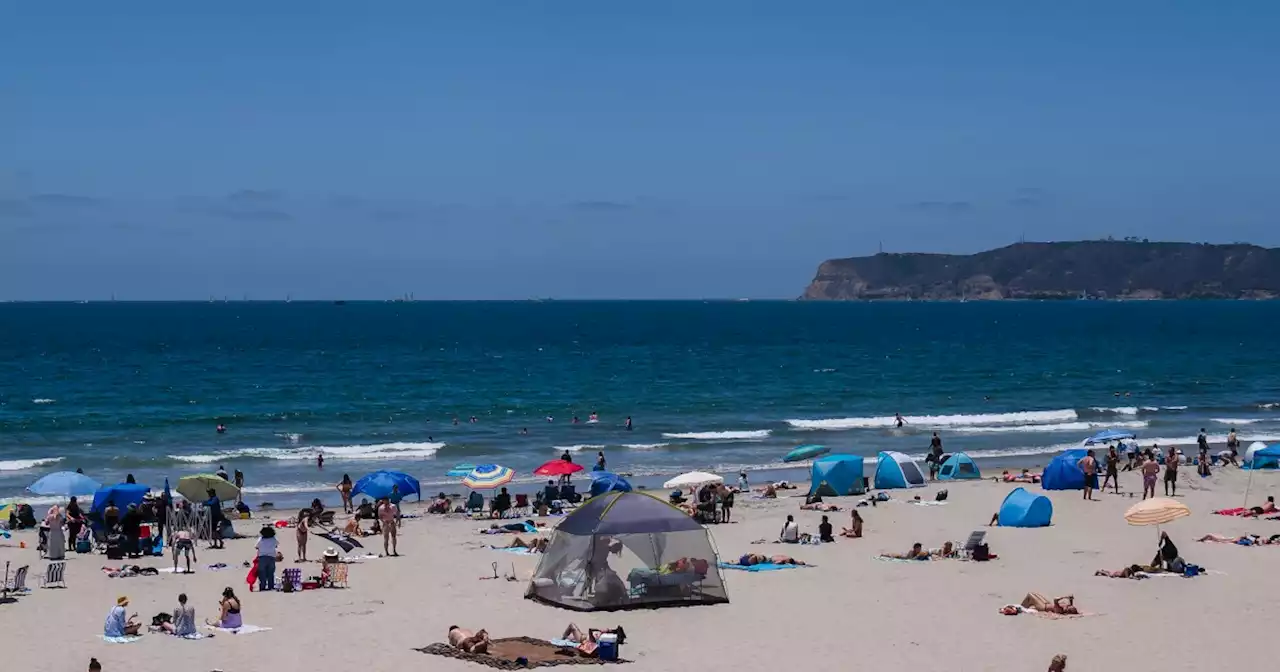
{"x":1230,"y":512}
{"x":567,"y":643}
{"x":762,"y":567}
{"x":242,"y":630}
{"x":517,"y":551}
{"x":885,"y":558}
{"x":120,"y":640}
{"x":924,"y":503}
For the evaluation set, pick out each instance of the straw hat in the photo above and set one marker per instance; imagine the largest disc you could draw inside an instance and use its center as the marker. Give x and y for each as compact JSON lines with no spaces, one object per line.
{"x":331,"y":552}
{"x":122,"y":601}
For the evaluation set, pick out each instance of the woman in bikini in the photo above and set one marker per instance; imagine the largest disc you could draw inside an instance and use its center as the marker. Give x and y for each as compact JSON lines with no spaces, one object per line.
{"x":855,"y":529}
{"x":344,"y":488}
{"x":229,"y":611}
{"x":1150,"y":472}
{"x":1059,"y":605}
{"x":304,"y":526}
{"x":465,"y":640}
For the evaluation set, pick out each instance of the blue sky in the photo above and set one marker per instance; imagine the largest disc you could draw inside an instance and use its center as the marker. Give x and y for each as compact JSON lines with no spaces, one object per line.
{"x":501,"y":150}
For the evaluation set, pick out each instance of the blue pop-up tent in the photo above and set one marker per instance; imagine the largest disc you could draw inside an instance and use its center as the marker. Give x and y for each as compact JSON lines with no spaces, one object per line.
{"x":607,"y":481}
{"x":1264,"y":458}
{"x":1024,"y":509}
{"x":121,"y":494}
{"x":1063,"y":472}
{"x":836,"y":476}
{"x":895,"y":470}
{"x":959,"y":467}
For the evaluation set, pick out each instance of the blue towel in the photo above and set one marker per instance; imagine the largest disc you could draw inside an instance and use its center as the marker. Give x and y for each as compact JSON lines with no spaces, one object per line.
{"x":563,"y":642}
{"x":517,"y":551}
{"x":764,"y":567}
{"x":119,"y":640}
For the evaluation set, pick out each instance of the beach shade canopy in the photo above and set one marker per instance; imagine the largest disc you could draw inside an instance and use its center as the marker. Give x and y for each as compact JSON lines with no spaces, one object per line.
{"x":1063,"y":472}
{"x":379,"y":484}
{"x":460,"y":470}
{"x":626,"y":550}
{"x":122,"y":495}
{"x":1156,"y":511}
{"x":196,"y":487}
{"x":805,"y":452}
{"x":959,"y":467}
{"x":896,"y":470}
{"x":1263,"y":457}
{"x":607,"y":481}
{"x":64,"y":483}
{"x":1108,"y":435}
{"x":488,"y":476}
{"x":836,"y":476}
{"x":1024,"y":509}
{"x":557,"y":468}
{"x":692,"y":479}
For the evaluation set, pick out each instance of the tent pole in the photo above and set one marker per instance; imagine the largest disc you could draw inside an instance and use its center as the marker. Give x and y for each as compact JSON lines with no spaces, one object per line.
{"x":1247,"y":487}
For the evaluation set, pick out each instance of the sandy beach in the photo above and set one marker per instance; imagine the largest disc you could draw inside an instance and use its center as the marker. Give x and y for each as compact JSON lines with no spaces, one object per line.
{"x":850,"y":611}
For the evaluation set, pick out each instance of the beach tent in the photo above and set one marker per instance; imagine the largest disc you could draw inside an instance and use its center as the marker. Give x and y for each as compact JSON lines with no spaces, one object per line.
{"x":122,"y":495}
{"x":1251,"y":451}
{"x":1024,"y":509}
{"x":895,"y":470}
{"x":959,"y":467}
{"x":607,"y":481}
{"x":1064,"y":473}
{"x":836,"y":476}
{"x":1264,"y":458}
{"x":625,"y":550}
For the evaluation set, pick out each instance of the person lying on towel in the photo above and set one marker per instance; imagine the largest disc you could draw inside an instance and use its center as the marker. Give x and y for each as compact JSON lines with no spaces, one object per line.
{"x":586,"y":641}
{"x":917,"y":552}
{"x":465,"y":640}
{"x":749,"y":559}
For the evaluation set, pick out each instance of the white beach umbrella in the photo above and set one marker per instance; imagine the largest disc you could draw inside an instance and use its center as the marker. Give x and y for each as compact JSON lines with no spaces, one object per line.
{"x":692,"y":479}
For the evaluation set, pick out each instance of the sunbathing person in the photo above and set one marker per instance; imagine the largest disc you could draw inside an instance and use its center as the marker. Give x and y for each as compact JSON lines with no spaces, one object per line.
{"x":1246,"y":540}
{"x":770,"y":492}
{"x":819,"y":506}
{"x":1267,"y":507}
{"x":538,"y":545}
{"x":749,"y":559}
{"x":440,"y":505}
{"x":586,"y":641}
{"x":1130,"y":572}
{"x":1059,"y":605}
{"x":917,"y":552}
{"x":1058,"y":664}
{"x":465,"y":640}
{"x":854,"y":532}
{"x":948,"y":550}
{"x":229,"y":617}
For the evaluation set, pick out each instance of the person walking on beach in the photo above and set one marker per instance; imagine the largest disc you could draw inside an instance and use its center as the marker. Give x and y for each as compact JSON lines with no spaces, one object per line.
{"x":387,"y":519}
{"x":1089,"y":466}
{"x":935,"y":456}
{"x":1150,"y":471}
{"x":344,"y":489}
{"x":1233,"y":443}
{"x":1113,"y":470}
{"x":303,"y":527}
{"x":1171,"y":472}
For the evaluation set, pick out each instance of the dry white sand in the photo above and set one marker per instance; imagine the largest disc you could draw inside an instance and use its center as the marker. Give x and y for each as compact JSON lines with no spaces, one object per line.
{"x":851,"y":612}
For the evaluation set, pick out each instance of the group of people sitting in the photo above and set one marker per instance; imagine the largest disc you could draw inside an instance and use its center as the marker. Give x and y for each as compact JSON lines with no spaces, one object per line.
{"x":918,"y":552}
{"x":713,"y":503}
{"x":181,"y":623}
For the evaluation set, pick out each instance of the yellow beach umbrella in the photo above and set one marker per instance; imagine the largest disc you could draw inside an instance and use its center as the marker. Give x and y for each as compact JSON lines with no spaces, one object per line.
{"x":1156,"y":511}
{"x":195,"y":487}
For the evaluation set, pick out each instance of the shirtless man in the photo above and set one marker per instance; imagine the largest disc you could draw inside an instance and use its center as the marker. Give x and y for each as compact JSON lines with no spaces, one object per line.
{"x":465,"y":640}
{"x":1171,"y":473}
{"x":586,"y":641}
{"x":1089,"y":466}
{"x":1113,"y":470}
{"x":1150,"y":471}
{"x":387,"y":517}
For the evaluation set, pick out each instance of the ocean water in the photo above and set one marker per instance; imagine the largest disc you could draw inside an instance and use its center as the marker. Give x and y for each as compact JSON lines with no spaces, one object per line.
{"x":118,"y":388}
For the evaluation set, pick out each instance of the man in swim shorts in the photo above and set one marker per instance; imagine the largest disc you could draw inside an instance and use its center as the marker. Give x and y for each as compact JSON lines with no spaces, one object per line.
{"x":1089,"y":466}
{"x":1150,"y":471}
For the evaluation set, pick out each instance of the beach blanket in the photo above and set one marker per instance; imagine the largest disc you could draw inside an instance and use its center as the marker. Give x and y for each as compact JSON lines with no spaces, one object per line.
{"x":517,"y":551}
{"x":567,"y":643}
{"x":1019,"y":609}
{"x":242,"y":630}
{"x":120,"y":640}
{"x":762,"y":567}
{"x":924,"y":503}
{"x":885,"y":558}
{"x":1230,"y":512}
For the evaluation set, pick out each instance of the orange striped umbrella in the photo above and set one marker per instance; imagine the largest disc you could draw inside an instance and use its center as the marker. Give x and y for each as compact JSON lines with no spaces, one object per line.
{"x":1156,"y":511}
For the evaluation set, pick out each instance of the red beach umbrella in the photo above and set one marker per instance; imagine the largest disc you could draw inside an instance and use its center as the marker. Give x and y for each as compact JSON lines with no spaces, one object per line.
{"x":557,"y":468}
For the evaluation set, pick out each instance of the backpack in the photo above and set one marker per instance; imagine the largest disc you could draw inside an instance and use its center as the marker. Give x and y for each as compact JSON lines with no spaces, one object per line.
{"x":981,"y":553}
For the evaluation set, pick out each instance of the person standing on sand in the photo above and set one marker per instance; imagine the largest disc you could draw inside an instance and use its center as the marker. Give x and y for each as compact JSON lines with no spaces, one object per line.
{"x":1150,"y":471}
{"x":1171,"y":472}
{"x":1089,"y":466}
{"x":935,"y":456}
{"x":1113,"y":470}
{"x":387,"y":518}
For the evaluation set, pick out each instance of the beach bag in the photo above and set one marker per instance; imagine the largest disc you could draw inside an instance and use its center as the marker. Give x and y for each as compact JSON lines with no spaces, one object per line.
{"x":84,"y":546}
{"x":941,"y":496}
{"x":981,"y":553}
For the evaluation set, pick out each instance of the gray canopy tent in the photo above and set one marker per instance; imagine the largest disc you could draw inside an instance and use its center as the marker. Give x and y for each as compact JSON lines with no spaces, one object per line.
{"x":627,"y":550}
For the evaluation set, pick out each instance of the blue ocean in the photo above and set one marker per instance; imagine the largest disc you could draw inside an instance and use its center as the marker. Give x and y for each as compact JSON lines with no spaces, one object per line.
{"x":138,"y":388}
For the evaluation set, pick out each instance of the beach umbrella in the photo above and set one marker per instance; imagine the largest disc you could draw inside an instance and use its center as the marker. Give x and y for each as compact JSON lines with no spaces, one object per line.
{"x":692,"y":479}
{"x":557,"y":468}
{"x":121,"y":494}
{"x":1269,"y":454}
{"x":460,"y":470}
{"x":607,"y":481}
{"x":805,"y":452}
{"x":1108,"y":435}
{"x":488,"y":476}
{"x":65,"y":483}
{"x":378,"y":484}
{"x":1156,"y":511}
{"x":196,"y":486}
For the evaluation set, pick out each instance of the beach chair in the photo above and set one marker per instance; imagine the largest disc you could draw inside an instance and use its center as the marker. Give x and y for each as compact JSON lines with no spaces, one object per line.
{"x":522,"y":506}
{"x":975,"y":539}
{"x":293,"y":577}
{"x":338,"y":575}
{"x":19,"y":582}
{"x":475,"y":502}
{"x":55,"y":575}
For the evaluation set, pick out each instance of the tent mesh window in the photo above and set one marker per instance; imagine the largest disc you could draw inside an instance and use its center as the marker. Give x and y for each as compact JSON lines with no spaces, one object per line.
{"x":627,"y":551}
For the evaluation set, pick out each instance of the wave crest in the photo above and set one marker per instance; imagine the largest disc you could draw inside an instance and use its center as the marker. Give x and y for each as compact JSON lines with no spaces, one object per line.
{"x":931,"y":421}
{"x":749,"y":435}
{"x":381,"y":451}
{"x":19,"y":465}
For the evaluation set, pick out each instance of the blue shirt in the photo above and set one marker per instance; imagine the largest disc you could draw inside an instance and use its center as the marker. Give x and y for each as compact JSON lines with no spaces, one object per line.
{"x":215,"y":507}
{"x":116,"y":620}
{"x":395,"y":498}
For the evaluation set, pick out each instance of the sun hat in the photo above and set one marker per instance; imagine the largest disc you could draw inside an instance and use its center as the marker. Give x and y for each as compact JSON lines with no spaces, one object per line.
{"x":331,"y":552}
{"x":122,"y":601}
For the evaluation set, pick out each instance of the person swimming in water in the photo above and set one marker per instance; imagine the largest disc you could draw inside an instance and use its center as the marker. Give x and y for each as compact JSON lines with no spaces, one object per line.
{"x":221,"y":429}
{"x":898,"y":421}
{"x":575,"y":420}
{"x":524,"y":431}
{"x":594,"y":417}
{"x":628,"y":423}
{"x":320,"y":461}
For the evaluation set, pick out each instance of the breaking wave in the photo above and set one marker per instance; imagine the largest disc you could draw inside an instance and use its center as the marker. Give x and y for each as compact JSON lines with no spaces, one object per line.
{"x":750,"y":435}
{"x":381,"y":451}
{"x":977,"y":420}
{"x":1058,"y":427}
{"x":19,"y":465}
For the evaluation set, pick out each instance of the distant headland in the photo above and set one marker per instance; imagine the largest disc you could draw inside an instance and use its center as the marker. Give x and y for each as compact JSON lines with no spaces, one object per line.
{"x":1095,"y":269}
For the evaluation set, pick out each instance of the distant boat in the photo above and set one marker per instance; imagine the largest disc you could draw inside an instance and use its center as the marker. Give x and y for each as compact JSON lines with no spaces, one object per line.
{"x":339,"y":302}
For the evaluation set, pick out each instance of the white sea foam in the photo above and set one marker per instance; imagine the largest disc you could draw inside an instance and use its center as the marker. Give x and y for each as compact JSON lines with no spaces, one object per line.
{"x":43,"y":401}
{"x":978,"y":420}
{"x":1269,"y":406}
{"x":1235,"y":421}
{"x":1057,"y":427}
{"x":381,"y":451}
{"x":291,"y":437}
{"x":19,"y":465}
{"x":272,"y":488}
{"x":1119,"y":410}
{"x":36,"y":502}
{"x":750,"y":435}
{"x":644,"y":446}
{"x":577,"y":448}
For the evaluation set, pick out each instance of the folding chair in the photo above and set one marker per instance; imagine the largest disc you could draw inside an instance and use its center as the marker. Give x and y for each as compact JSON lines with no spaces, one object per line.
{"x":521,"y":507}
{"x":55,"y":575}
{"x":19,"y":582}
{"x":338,"y":575}
{"x":975,"y":539}
{"x":293,"y":576}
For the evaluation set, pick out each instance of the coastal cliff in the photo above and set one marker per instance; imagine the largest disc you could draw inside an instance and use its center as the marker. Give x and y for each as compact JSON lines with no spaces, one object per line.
{"x":1066,"y":270}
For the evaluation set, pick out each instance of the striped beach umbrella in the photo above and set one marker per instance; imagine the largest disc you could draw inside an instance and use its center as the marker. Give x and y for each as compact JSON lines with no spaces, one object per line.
{"x":488,"y":476}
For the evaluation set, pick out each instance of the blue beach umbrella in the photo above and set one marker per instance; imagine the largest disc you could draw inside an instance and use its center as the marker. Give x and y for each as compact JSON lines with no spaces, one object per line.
{"x":607,"y":481}
{"x":805,"y":452}
{"x":460,"y":470}
{"x":378,"y":484}
{"x":121,"y":494}
{"x":488,"y":476}
{"x":64,"y":483}
{"x":1110,"y":435}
